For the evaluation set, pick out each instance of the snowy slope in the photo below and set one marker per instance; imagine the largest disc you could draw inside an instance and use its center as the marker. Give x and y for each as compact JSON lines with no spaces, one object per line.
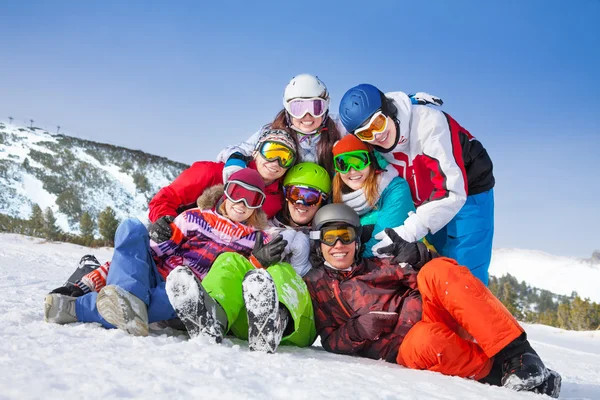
{"x":560,"y":275}
{"x":40,"y":360}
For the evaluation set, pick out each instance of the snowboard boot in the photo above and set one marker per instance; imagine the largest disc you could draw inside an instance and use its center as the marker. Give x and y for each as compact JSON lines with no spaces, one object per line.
{"x":124,"y":310}
{"x":522,"y":368}
{"x":87,"y":264}
{"x":59,"y":309}
{"x":551,"y":386}
{"x":199,"y":312}
{"x":267,"y":320}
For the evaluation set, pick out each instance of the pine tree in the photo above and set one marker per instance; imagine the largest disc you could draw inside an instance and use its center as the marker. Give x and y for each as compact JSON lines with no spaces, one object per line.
{"x":563,"y":315}
{"x":580,"y":314}
{"x":107,"y":225}
{"x":51,"y":230}
{"x":87,"y":227}
{"x":36,"y":221}
{"x":509,"y":299}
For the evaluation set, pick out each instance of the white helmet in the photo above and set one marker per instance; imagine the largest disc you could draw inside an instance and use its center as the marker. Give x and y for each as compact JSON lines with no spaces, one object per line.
{"x":305,"y":86}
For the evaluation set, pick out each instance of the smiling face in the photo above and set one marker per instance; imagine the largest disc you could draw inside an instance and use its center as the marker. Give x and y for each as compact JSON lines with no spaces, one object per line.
{"x":301,"y":214}
{"x":269,"y":170}
{"x":387,"y":138}
{"x":307,"y":124}
{"x":339,"y":256}
{"x":355,"y":179}
{"x":237,"y":212}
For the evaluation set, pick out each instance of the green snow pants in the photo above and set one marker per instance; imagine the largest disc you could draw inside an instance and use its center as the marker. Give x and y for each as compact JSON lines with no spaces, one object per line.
{"x":224,"y":284}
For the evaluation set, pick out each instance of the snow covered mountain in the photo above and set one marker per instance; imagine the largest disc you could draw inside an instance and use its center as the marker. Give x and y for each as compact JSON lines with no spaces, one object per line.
{"x":41,"y":360}
{"x":72,"y":175}
{"x":560,"y":275}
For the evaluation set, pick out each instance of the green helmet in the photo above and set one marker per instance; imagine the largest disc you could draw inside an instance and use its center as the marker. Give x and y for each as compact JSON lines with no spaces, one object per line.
{"x":308,"y":174}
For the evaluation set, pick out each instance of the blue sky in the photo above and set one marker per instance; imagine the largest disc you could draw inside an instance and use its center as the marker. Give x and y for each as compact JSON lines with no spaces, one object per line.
{"x":183,"y":80}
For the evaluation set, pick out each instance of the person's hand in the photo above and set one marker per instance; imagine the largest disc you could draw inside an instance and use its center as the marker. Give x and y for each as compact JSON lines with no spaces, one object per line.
{"x":265,"y":255}
{"x":372,"y":325}
{"x":161,"y":230}
{"x":69,"y":290}
{"x":401,"y":250}
{"x":425,"y":98}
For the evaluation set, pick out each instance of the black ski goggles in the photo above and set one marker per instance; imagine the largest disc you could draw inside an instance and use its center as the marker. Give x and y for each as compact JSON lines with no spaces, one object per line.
{"x":329,"y":235}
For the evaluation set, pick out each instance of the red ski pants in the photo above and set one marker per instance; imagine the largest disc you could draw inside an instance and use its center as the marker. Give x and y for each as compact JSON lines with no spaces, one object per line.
{"x":463,"y":324}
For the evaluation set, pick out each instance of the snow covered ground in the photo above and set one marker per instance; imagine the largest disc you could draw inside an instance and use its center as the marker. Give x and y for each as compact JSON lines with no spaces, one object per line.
{"x":41,"y":360}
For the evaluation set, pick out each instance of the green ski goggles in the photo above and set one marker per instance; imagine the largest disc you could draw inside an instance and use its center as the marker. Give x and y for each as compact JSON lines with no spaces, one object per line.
{"x":358,"y":160}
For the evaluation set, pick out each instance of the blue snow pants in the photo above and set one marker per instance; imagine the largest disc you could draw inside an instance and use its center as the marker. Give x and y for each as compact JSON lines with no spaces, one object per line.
{"x":133,"y":269}
{"x":468,"y":236}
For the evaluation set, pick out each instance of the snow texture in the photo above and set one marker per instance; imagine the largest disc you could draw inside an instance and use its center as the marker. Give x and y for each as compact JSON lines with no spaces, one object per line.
{"x":49,"y":361}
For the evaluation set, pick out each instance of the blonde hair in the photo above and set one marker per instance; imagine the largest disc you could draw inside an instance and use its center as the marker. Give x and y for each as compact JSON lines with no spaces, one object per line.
{"x":369,"y":187}
{"x":256,"y":220}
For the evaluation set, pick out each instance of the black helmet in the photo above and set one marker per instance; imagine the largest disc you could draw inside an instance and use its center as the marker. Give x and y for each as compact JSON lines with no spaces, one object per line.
{"x":337,"y":212}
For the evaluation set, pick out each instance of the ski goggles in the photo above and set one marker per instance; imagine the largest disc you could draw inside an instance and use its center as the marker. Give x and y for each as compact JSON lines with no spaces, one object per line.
{"x":303,"y":195}
{"x":237,"y":191}
{"x":272,"y":151}
{"x":315,"y":106}
{"x":329,"y":235}
{"x":377,"y":124}
{"x":358,"y":159}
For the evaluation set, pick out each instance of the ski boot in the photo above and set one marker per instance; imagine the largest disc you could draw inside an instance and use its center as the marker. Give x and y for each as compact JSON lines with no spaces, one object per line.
{"x":199,"y":312}
{"x":59,"y":309}
{"x":267,"y":320}
{"x":124,"y":310}
{"x":522,"y":368}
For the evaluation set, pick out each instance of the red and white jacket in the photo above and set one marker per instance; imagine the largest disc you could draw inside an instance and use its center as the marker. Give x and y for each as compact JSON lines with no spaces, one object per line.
{"x":441,"y":161}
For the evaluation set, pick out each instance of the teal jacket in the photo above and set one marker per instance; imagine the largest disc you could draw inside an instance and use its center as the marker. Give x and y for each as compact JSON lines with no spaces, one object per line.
{"x":390,"y":211}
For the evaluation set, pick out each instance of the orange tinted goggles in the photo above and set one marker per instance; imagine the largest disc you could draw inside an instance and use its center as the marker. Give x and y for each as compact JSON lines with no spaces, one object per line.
{"x":377,"y":124}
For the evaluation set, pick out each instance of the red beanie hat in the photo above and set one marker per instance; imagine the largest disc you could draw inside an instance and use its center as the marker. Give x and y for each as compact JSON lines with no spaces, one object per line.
{"x":249,"y":177}
{"x":349,"y":143}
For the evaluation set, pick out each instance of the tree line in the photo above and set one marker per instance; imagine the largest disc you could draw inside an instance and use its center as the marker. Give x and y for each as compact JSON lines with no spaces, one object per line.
{"x":42,"y":224}
{"x":541,"y":306}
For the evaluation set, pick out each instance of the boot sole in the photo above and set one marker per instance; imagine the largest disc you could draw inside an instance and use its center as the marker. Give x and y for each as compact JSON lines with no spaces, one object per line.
{"x":262,"y":309}
{"x":185,"y":297}
{"x":60,"y":317}
{"x":528,"y":384}
{"x":115,"y":306}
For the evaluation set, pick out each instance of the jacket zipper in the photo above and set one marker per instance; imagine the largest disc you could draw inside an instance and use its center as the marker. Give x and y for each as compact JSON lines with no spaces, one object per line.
{"x":337,"y":297}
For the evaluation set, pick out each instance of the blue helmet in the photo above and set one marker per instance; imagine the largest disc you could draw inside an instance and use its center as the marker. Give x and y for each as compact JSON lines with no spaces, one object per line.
{"x":358,"y":104}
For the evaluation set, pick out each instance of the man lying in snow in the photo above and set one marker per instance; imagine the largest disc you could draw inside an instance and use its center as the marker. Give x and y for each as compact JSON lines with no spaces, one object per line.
{"x":416,"y":309}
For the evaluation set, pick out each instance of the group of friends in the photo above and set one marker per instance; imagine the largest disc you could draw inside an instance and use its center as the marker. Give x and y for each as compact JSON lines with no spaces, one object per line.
{"x":372,"y":230}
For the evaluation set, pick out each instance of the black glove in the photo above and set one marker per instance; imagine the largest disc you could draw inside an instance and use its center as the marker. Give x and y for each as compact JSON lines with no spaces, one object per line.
{"x":366,"y":233}
{"x":69,"y":290}
{"x":161,"y":230}
{"x":371,"y":325}
{"x":403,"y":251}
{"x":268,"y":254}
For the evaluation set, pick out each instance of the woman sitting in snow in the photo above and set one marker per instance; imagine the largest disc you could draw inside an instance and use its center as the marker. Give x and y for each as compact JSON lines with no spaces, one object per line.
{"x":136,"y":295}
{"x":415,"y":309}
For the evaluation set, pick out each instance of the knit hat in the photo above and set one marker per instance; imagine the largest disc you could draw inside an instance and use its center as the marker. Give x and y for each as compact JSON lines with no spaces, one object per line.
{"x":279,"y":136}
{"x":349,"y":143}
{"x":250,"y":177}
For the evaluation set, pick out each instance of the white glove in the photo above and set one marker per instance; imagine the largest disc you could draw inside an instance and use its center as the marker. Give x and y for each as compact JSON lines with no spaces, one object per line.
{"x":425,"y":98}
{"x":412,"y":230}
{"x":230,"y":170}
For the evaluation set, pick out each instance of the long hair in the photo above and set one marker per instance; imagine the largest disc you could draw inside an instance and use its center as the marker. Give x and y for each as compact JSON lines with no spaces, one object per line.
{"x":329,"y":135}
{"x":257,"y":220}
{"x":369,"y":187}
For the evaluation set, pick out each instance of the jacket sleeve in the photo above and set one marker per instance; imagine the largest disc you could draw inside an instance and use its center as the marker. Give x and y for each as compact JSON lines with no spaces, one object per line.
{"x":395,"y":204}
{"x":441,"y":149}
{"x":95,"y":280}
{"x":245,"y":148}
{"x":183,"y":192}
